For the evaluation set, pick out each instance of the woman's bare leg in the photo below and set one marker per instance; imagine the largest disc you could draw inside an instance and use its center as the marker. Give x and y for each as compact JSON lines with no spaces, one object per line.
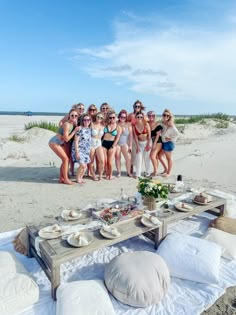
{"x":160,"y":157}
{"x":61,"y":153}
{"x":90,"y":165}
{"x":154,"y":158}
{"x":80,"y":174}
{"x":100,"y":157}
{"x":169,"y":162}
{"x":110,"y":158}
{"x":118,"y":160}
{"x":127,"y":156}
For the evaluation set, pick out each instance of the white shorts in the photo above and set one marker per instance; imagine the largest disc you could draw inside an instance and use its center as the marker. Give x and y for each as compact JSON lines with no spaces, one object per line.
{"x":96,"y":143}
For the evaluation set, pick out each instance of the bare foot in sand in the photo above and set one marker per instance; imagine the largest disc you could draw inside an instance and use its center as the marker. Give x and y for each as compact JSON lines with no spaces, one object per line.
{"x":68,"y":182}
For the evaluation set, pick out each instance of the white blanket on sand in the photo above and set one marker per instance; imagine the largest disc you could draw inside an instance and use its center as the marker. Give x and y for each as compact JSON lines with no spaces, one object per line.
{"x":184,"y":297}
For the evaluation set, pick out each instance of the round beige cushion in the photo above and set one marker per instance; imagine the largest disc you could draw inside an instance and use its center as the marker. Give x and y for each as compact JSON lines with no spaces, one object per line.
{"x":138,"y":278}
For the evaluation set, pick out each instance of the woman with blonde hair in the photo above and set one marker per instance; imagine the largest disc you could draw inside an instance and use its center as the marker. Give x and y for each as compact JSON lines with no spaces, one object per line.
{"x":105,"y":108}
{"x":142,"y":137}
{"x":57,"y":143}
{"x":125,"y":143}
{"x":96,"y":147}
{"x":169,"y":136}
{"x":110,"y":139}
{"x":92,"y":112}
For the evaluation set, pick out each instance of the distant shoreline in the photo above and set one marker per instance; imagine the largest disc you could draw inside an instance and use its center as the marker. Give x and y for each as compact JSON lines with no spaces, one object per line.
{"x":14,"y":113}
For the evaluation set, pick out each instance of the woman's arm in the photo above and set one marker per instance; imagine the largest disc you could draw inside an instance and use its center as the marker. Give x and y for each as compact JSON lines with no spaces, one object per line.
{"x":117,"y":137}
{"x":66,"y":135}
{"x":148,"y":147}
{"x":63,"y":120}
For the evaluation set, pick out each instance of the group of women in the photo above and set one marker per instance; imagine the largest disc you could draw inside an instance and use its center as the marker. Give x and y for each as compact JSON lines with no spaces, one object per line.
{"x":97,"y":138}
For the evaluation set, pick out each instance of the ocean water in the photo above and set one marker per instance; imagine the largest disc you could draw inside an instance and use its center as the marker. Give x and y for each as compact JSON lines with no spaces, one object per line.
{"x":33,"y":113}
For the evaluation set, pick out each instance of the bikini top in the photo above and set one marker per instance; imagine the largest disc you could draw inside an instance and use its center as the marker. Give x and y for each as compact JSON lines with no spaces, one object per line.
{"x":60,"y":130}
{"x":144,"y":131}
{"x":113,"y":132}
{"x":154,"y":131}
{"x":96,"y":132}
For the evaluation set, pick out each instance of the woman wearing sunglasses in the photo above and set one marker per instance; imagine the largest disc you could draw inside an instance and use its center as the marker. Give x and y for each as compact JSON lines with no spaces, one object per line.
{"x":81,"y":147}
{"x":92,"y":112}
{"x":110,"y":139}
{"x":124,"y":144}
{"x":96,"y":147}
{"x":105,"y":108}
{"x":77,"y":107}
{"x":169,"y":135}
{"x":58,"y":144}
{"x":156,"y":129}
{"x":137,"y":107}
{"x":142,"y":137}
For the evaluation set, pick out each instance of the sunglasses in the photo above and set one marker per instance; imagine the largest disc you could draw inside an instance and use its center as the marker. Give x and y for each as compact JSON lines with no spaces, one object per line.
{"x":92,"y":109}
{"x":99,"y":117}
{"x":123,"y":117}
{"x":105,"y":108}
{"x":73,"y":115}
{"x":137,"y":106}
{"x":151,"y":115}
{"x":113,"y":117}
{"x":80,"y":108}
{"x":140,"y":117}
{"x":86,"y":119}
{"x":166,"y":115}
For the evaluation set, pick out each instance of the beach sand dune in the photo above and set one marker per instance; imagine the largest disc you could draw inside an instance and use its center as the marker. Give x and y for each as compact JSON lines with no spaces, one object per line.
{"x":30,"y":192}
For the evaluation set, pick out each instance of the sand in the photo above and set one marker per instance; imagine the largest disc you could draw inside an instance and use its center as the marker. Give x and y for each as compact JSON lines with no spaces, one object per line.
{"x":30,"y":192}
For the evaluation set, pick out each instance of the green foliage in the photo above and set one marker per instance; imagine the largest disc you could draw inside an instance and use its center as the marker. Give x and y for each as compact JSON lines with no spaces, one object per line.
{"x":202,"y":118}
{"x":222,"y":124}
{"x":42,"y":124}
{"x":150,"y":188}
{"x":17,"y":138}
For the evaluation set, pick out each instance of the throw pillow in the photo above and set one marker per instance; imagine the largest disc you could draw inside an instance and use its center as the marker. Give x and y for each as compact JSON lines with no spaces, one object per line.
{"x":191,"y":258}
{"x":225,"y":224}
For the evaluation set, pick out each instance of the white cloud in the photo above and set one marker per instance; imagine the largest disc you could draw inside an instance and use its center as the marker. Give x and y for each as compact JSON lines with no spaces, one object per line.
{"x":177,"y":62}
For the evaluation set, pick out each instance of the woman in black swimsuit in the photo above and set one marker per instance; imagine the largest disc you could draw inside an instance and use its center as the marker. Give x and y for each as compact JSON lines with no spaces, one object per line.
{"x":156,"y":129}
{"x":111,"y":136}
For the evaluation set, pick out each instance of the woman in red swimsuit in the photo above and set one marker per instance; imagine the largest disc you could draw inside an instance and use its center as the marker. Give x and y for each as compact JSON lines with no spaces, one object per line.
{"x":142,"y":137}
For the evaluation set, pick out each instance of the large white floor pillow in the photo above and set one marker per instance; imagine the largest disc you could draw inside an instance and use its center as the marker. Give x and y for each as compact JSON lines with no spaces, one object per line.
{"x":84,"y":298}
{"x":9,"y":263}
{"x":191,"y":258}
{"x":226,"y":240}
{"x":138,"y":278}
{"x":17,"y":289}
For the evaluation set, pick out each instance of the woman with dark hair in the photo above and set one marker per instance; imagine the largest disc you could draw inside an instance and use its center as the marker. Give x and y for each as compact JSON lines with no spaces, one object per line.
{"x":142,"y":137}
{"x":156,"y":129}
{"x":110,"y":139}
{"x":81,"y":147}
{"x":125,"y":143}
{"x":137,"y":107}
{"x":169,"y":135}
{"x":57,"y":143}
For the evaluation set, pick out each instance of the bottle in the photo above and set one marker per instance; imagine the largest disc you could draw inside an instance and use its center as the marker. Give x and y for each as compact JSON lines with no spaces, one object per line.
{"x":179,"y":183}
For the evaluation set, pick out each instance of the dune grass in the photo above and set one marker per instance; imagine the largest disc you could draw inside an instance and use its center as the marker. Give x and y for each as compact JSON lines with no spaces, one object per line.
{"x":222,"y":119}
{"x":17,"y":138}
{"x":42,"y":124}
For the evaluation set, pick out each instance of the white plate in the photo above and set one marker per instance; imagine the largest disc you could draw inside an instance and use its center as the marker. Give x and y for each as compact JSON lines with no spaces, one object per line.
{"x":66,"y":215}
{"x":148,"y":223}
{"x":201,"y":203}
{"x":43,"y":233}
{"x":109,"y":235}
{"x":73,"y":242}
{"x":182,"y":209}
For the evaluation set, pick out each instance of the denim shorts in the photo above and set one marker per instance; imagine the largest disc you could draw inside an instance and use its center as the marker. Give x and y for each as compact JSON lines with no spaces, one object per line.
{"x":168,"y":146}
{"x":56,"y":140}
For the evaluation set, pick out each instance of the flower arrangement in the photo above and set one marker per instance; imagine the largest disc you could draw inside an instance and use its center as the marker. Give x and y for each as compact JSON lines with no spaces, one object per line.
{"x":149,"y":188}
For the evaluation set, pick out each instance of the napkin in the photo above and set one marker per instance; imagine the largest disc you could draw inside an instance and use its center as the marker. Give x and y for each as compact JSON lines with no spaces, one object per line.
{"x":81,"y":239}
{"x":152,"y":219}
{"x":112,"y":230}
{"x":55,"y":228}
{"x":184,"y":206}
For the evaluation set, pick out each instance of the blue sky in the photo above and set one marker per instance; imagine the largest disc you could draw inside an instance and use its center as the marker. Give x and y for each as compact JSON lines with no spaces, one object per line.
{"x":174,"y":54}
